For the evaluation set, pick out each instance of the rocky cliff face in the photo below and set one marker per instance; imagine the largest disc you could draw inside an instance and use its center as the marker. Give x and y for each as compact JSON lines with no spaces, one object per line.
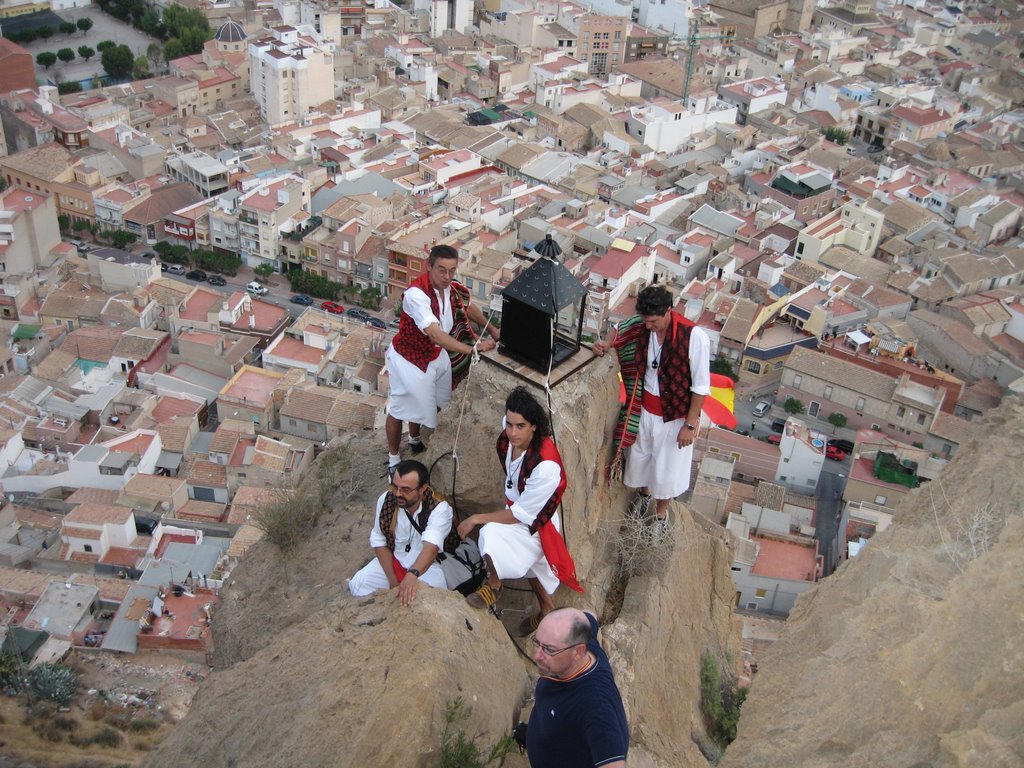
{"x":308,"y":675}
{"x":912,"y":654}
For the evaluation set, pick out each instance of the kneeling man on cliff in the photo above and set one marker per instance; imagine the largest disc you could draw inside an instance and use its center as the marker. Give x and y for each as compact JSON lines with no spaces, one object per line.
{"x":409,"y":530}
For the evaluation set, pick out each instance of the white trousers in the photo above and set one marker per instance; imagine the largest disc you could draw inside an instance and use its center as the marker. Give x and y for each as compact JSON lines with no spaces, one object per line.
{"x":516,"y":553}
{"x":371,"y":577}
{"x":416,"y":395}
{"x":656,"y":461}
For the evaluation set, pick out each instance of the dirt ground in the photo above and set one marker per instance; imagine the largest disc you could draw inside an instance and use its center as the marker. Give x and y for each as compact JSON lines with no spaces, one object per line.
{"x":138,"y":698}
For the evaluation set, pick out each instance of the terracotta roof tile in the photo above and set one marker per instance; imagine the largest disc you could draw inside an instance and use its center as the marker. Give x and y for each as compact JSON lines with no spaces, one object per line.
{"x":207,"y":474}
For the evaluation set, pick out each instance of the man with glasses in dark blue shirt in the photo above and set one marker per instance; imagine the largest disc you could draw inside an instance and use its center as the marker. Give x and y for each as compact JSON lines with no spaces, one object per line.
{"x":577,"y":719}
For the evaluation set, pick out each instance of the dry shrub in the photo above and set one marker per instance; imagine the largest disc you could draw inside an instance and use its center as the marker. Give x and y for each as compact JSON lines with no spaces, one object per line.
{"x":143,"y":724}
{"x":639,"y":551}
{"x":290,"y":518}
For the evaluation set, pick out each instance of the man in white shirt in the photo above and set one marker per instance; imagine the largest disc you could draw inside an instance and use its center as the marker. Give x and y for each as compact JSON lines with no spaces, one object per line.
{"x":665,"y":364}
{"x":409,"y":529}
{"x":436,"y":311}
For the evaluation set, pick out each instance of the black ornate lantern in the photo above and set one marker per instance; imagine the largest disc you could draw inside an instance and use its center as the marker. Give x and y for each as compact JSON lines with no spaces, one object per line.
{"x":542,"y":311}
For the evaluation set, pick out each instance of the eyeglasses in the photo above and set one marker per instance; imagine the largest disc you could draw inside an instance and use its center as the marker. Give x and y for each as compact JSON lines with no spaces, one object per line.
{"x":442,"y":272}
{"x":405,"y":489}
{"x":551,"y":651}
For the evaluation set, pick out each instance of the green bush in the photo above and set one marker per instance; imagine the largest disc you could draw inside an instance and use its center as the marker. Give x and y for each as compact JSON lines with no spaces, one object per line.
{"x":263,"y":270}
{"x":314,"y":285}
{"x":224,"y":263}
{"x":121,"y":238}
{"x":720,"y":701}
{"x":54,"y":682}
{"x":461,"y":751}
{"x":723,"y":367}
{"x":792,"y":405}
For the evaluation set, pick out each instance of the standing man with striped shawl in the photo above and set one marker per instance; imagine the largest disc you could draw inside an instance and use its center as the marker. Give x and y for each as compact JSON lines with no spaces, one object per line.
{"x":436,"y":312}
{"x":665,"y":363}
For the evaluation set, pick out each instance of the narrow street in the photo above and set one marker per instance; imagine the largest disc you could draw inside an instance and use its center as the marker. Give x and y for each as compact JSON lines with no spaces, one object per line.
{"x":830,"y":500}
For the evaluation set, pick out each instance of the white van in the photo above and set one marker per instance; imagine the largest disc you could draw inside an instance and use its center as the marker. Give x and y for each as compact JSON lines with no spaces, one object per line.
{"x":256,"y":288}
{"x":762,"y":408}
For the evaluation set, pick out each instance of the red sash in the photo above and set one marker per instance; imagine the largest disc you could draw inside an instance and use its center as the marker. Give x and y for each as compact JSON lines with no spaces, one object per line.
{"x":399,"y":569}
{"x":651,"y":404}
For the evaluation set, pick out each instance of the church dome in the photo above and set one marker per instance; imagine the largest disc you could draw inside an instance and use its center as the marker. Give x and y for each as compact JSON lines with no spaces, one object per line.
{"x":230,"y":32}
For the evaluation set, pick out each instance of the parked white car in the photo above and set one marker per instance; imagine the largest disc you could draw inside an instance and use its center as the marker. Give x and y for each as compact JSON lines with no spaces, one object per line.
{"x":256,"y":288}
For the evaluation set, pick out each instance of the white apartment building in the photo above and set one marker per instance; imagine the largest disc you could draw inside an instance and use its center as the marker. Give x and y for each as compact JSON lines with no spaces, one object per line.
{"x":801,"y":456}
{"x":28,"y":231}
{"x":753,"y":96}
{"x":855,"y":225}
{"x":665,"y":125}
{"x":261,"y":213}
{"x":670,"y":15}
{"x":290,"y":74}
{"x":207,"y":174}
{"x":447,"y":14}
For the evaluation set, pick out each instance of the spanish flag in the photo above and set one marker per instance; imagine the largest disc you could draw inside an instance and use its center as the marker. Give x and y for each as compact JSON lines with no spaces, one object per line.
{"x":720,"y":404}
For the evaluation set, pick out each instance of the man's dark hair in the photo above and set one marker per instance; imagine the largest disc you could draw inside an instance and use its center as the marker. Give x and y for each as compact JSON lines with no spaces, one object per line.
{"x":520,"y":401}
{"x":653,"y":301}
{"x":579,"y":632}
{"x":441,"y":252}
{"x":406,"y":466}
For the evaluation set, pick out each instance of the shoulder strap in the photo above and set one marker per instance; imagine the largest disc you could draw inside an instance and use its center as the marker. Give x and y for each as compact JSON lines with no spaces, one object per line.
{"x":388,"y":519}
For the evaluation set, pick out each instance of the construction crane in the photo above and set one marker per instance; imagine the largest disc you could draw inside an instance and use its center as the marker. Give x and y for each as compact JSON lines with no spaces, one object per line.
{"x":691,"y":57}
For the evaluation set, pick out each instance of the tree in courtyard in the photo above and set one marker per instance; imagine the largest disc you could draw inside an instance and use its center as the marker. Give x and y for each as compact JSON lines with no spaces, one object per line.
{"x":104,"y":45}
{"x":66,"y":55}
{"x":63,"y":222}
{"x":140,"y":69}
{"x":84,"y":24}
{"x":155,"y":56}
{"x":837,"y":135}
{"x":792,"y":405}
{"x":68,"y":28}
{"x":25,"y":36}
{"x":86,"y":52}
{"x":46,"y":59}
{"x":118,"y":61}
{"x":44,"y":32}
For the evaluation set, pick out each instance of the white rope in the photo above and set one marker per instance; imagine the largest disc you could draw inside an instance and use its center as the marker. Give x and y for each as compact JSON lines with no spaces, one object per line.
{"x":474,"y":359}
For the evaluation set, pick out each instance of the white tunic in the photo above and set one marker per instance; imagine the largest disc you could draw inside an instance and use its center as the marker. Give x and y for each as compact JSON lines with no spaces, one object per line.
{"x":656,"y":461}
{"x":408,"y":546}
{"x":416,"y":395}
{"x":514,"y":551}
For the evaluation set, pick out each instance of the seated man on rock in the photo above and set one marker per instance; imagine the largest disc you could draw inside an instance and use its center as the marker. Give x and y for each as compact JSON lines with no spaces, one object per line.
{"x":409,"y":530}
{"x":524,"y":537}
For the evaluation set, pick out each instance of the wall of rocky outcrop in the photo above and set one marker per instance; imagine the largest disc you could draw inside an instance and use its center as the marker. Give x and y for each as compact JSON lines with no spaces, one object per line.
{"x":307,"y":675}
{"x":912,"y":654}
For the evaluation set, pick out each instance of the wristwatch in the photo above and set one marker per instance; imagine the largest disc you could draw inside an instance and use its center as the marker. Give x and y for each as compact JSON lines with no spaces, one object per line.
{"x":689,"y":425}
{"x":414,"y":571}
